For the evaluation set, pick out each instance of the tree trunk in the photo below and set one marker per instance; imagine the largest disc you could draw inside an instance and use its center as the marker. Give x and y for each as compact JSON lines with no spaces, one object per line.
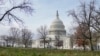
{"x":13,"y":44}
{"x":44,"y":43}
{"x":91,"y":45}
{"x":25,"y":46}
{"x":7,"y":44}
{"x":84,"y":47}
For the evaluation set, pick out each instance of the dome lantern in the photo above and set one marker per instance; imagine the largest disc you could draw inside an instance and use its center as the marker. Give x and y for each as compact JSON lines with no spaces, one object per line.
{"x":57,"y":15}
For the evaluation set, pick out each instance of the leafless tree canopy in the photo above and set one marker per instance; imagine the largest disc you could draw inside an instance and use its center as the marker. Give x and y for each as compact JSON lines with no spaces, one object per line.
{"x":25,"y":6}
{"x":15,"y":34}
{"x":42,"y":31}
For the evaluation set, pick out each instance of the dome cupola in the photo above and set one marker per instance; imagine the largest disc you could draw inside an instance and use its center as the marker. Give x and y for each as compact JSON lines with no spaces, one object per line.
{"x":57,"y":26}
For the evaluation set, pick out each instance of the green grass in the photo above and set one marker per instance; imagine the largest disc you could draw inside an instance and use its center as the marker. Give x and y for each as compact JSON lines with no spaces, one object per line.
{"x":44,"y":52}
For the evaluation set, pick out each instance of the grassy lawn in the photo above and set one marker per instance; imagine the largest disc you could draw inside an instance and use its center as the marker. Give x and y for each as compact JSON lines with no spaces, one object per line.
{"x":44,"y":52}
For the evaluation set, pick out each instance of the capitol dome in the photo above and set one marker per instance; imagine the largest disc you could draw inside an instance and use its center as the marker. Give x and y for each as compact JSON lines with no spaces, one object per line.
{"x":57,"y":27}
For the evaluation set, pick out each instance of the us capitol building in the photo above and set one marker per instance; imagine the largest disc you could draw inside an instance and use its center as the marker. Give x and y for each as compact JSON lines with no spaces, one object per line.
{"x":56,"y":38}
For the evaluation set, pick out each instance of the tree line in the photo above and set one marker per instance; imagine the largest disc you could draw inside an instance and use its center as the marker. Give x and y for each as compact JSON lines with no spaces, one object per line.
{"x":18,"y":38}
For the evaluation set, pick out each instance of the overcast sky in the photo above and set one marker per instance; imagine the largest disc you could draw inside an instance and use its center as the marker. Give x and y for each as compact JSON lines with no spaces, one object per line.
{"x":44,"y":13}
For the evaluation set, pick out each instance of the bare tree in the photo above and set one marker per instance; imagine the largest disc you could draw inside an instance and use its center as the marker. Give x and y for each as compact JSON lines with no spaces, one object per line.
{"x":14,"y":33}
{"x":81,"y":40}
{"x":85,"y":16}
{"x":26,"y":37}
{"x":5,"y":38}
{"x":9,"y":15}
{"x":42,"y":31}
{"x":58,"y":42}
